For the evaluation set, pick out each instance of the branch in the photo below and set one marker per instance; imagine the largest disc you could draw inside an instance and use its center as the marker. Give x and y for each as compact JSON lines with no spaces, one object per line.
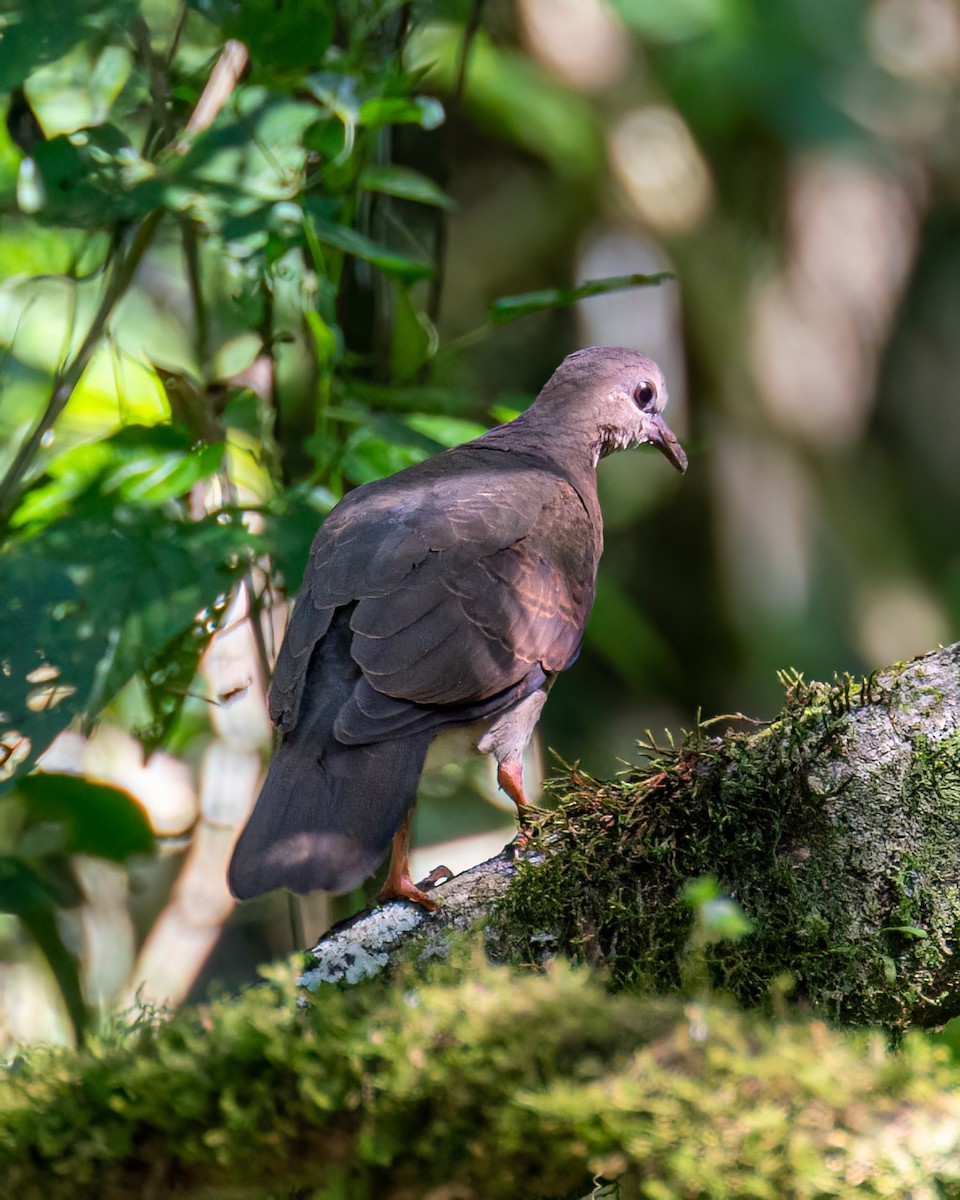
{"x":834,"y":827}
{"x":362,"y":946}
{"x":490,"y":1083}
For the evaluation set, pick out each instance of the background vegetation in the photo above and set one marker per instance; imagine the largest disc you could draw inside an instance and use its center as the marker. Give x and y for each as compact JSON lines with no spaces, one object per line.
{"x":214,"y":321}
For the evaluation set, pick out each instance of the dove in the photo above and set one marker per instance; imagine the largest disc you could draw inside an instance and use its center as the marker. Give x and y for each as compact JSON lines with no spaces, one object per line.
{"x":448,"y":595}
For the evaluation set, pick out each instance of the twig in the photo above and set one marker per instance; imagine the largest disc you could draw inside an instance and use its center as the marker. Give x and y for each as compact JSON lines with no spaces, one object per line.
{"x":220,"y":86}
{"x":65,"y":381}
{"x":469,"y":33}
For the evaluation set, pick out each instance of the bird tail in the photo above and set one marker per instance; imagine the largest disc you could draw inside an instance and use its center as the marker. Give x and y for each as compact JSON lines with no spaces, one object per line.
{"x":325,"y":815}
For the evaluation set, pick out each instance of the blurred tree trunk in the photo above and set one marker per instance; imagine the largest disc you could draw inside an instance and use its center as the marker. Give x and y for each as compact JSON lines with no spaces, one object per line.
{"x":835,"y":828}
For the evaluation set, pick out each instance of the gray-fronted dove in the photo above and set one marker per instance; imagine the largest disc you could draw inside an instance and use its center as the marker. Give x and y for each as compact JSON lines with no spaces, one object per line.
{"x":449,"y":594}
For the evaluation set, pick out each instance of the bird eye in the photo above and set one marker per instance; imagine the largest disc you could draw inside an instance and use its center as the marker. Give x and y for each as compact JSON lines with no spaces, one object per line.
{"x":645,"y":394}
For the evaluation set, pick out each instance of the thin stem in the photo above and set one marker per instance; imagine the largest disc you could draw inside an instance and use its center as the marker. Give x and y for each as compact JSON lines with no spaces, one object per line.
{"x":65,"y":381}
{"x":191,"y":256}
{"x":469,"y":33}
{"x":177,"y":34}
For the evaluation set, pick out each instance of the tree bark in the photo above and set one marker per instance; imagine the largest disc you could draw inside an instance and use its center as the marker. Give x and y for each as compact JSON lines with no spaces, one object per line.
{"x":835,"y":828}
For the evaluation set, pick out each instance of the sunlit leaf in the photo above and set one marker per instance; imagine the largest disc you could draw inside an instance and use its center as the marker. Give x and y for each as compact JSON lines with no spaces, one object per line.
{"x":157,"y":477}
{"x":147,"y":465}
{"x":94,"y":595}
{"x":252,"y":154}
{"x":78,"y":90}
{"x":40,"y":31}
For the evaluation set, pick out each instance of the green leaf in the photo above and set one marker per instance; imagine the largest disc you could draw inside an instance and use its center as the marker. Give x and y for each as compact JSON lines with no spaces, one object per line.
{"x":92,"y":597}
{"x":445,"y":431}
{"x":401,"y":110}
{"x":90,"y":177}
{"x":253,"y":154}
{"x":621,"y":633}
{"x":141,"y":463}
{"x":42,"y":928}
{"x":21,"y":889}
{"x":78,"y":90}
{"x":290,"y":523}
{"x":676,"y":21}
{"x":405,"y":183}
{"x":371,"y":455}
{"x":281,"y":34}
{"x":509,"y":95}
{"x":99,"y":820}
{"x":40,"y":31}
{"x":325,"y":343}
{"x":509,"y":308}
{"x":158,"y":477}
{"x":413,"y":339}
{"x":359,"y":245}
{"x":24,"y":893}
{"x":339,"y":94}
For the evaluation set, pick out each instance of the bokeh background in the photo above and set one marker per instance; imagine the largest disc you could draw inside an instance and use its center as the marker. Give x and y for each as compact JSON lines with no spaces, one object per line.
{"x":795,"y":166}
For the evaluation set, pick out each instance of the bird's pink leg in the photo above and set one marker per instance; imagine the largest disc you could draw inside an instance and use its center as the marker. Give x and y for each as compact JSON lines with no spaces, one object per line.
{"x":398,"y":884}
{"x":510,"y":778}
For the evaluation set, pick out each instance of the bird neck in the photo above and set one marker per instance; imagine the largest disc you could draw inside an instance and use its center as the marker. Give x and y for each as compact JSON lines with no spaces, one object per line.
{"x":564,"y":452}
{"x":568,"y":450}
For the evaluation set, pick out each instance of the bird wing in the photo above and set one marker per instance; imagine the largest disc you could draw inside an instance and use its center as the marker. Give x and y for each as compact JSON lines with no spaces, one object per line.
{"x":467,"y":577}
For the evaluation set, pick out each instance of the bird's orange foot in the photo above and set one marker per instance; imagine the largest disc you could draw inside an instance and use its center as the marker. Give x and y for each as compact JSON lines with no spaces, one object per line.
{"x":402,"y":887}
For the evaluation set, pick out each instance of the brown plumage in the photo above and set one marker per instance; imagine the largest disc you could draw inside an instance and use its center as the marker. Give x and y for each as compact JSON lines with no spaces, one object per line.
{"x":449,"y":594}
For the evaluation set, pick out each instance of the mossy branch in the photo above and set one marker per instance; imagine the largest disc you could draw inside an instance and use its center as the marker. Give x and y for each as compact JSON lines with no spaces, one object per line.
{"x":836,"y":828}
{"x":487,"y":1083}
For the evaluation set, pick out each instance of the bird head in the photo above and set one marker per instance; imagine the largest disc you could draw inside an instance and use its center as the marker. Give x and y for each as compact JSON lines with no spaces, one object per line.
{"x":620,"y":395}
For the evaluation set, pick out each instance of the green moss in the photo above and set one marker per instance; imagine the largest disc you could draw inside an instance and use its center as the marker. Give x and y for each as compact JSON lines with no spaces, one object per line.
{"x":483,"y":1083}
{"x":844,"y":891}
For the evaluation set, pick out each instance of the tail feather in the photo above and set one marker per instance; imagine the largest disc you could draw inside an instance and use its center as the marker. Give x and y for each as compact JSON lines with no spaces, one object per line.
{"x":325,"y":816}
{"x":327,"y":811}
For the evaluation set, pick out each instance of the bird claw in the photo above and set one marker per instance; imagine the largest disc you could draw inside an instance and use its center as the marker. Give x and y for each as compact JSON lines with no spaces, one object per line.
{"x":519,"y":844}
{"x":403,"y":888}
{"x":437,"y":875}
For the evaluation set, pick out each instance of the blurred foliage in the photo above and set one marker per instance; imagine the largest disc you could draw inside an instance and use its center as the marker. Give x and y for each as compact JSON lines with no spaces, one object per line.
{"x":128,"y":467}
{"x":207,"y":334}
{"x":161,"y":262}
{"x":438,"y":1084}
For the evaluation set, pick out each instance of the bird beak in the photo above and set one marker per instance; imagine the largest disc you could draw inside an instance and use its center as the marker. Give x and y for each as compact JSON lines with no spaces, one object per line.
{"x":660,"y":434}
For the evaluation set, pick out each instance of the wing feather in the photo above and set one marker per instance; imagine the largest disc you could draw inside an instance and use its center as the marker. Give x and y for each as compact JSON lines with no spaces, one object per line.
{"x":466,"y":578}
